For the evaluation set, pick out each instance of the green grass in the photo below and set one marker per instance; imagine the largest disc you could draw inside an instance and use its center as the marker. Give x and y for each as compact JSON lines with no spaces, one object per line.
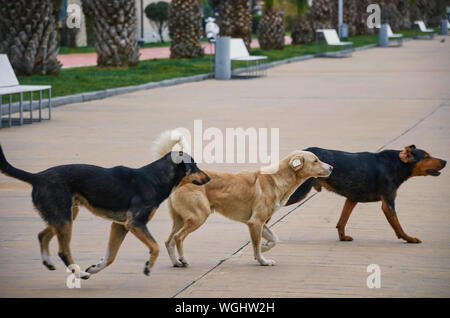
{"x":87,"y":79}
{"x":91,"y":49}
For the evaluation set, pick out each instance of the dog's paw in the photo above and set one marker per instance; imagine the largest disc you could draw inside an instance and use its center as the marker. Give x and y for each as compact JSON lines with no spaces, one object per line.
{"x":267,"y":262}
{"x":413,"y":240}
{"x":183,"y":261}
{"x":93,"y":269}
{"x":147,"y":269}
{"x":84,"y":275}
{"x":346,"y":238}
{"x":50,"y":266}
{"x":178,"y":264}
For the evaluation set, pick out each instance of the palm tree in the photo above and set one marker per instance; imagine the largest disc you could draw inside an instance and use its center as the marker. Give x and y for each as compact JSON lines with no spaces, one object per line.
{"x":271,"y":28}
{"x":28,"y":36}
{"x":185,"y":29}
{"x":115,"y":32}
{"x":301,"y":30}
{"x":235,"y":19}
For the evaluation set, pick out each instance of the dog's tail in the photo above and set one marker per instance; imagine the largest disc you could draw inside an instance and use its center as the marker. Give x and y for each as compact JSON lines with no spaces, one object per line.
{"x":167,"y":141}
{"x":301,"y":192}
{"x":9,"y":170}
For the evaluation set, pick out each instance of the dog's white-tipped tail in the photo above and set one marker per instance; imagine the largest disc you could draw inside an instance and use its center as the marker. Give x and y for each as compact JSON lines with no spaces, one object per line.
{"x":167,"y":141}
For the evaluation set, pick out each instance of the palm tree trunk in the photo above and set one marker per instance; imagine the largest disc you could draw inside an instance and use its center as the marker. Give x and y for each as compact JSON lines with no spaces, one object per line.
{"x":115,"y":29}
{"x":236,"y":19}
{"x":185,"y":29}
{"x":271,"y":30}
{"x":28,"y":36}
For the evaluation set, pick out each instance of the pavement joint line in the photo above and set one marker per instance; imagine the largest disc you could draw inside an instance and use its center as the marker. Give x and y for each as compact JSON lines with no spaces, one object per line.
{"x":443,"y":104}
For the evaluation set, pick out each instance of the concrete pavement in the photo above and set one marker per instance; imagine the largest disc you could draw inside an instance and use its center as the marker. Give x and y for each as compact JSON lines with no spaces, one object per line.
{"x":380,"y":97}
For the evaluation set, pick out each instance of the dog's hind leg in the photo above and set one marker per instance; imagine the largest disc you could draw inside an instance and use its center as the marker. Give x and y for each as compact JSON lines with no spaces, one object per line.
{"x":388,"y":208}
{"x":170,"y":243}
{"x":272,"y":239}
{"x":45,"y":237}
{"x":64,"y":235}
{"x":116,"y":237}
{"x":349,"y":205}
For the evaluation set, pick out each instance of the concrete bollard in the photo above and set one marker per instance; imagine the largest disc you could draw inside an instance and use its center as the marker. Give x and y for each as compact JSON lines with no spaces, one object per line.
{"x":444,"y":27}
{"x":383,"y":39}
{"x":223,"y":62}
{"x":343,"y":31}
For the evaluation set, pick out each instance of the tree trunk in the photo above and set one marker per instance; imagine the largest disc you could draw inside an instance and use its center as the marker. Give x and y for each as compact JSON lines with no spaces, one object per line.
{"x":236,"y":19}
{"x":115,"y":31}
{"x":271,"y":30}
{"x":28,"y":36}
{"x":301,"y":31}
{"x":185,"y":29}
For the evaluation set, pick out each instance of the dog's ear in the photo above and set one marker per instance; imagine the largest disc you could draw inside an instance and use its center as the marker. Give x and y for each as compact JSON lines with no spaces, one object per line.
{"x":296,"y":163}
{"x":406,"y":155}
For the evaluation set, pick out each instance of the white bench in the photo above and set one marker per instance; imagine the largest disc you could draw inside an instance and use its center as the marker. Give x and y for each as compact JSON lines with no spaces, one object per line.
{"x":396,"y":37}
{"x":238,"y":52}
{"x":9,"y":85}
{"x":332,"y":39}
{"x":421,"y":29}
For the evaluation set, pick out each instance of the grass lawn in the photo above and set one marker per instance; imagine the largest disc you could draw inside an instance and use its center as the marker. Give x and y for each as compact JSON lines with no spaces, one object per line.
{"x":87,"y":79}
{"x":90,"y":49}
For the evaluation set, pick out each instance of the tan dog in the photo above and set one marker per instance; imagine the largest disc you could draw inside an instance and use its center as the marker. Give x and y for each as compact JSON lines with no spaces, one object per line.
{"x":250,"y":197}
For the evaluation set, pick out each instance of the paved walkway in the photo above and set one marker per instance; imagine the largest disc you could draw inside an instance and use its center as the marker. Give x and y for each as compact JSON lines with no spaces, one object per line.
{"x":89,"y":59}
{"x":393,"y":97}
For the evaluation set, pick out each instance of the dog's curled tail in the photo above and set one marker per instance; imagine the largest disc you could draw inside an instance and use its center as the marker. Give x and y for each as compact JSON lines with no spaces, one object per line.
{"x":301,"y":192}
{"x":9,"y":170}
{"x":167,"y":141}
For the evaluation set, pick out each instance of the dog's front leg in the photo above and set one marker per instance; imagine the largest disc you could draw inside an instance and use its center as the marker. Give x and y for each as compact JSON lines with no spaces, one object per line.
{"x":255,"y":227}
{"x":272,"y":239}
{"x":116,"y":237}
{"x":388,"y":207}
{"x":142,"y":233}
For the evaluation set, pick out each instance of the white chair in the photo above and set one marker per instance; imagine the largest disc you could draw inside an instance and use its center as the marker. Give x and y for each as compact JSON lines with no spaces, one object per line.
{"x":332,"y":39}
{"x":421,"y":29}
{"x":396,"y":37}
{"x":239,"y":52}
{"x":9,"y":85}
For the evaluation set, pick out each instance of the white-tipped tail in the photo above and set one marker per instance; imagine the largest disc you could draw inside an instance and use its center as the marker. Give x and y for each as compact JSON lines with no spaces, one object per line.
{"x":167,"y":141}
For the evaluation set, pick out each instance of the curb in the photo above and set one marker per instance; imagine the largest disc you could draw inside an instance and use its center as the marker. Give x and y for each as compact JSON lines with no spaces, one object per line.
{"x":88,"y":96}
{"x":95,"y":95}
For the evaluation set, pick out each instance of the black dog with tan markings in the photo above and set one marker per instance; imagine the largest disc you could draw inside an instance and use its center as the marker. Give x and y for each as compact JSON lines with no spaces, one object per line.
{"x":370,"y":177}
{"x":128,"y":197}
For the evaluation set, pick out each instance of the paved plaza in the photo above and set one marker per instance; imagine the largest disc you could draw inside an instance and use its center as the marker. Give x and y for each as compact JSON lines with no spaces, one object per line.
{"x":380,"y":98}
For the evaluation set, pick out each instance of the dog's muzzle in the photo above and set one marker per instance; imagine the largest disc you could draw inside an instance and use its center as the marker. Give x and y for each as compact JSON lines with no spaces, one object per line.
{"x":203,"y":180}
{"x":328,"y":168}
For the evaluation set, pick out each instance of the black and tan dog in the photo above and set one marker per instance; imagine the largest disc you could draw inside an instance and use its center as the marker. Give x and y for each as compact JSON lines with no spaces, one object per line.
{"x":370,"y":177}
{"x":128,"y":197}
